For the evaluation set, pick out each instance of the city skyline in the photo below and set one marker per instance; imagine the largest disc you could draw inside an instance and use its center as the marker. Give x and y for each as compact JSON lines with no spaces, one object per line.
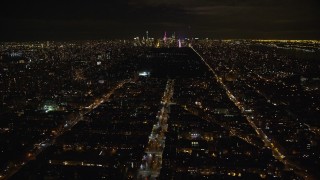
{"x":124,"y":19}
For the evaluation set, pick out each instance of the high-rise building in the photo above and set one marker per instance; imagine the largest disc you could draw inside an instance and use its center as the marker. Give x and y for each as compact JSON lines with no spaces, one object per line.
{"x":174,"y":35}
{"x":165,"y":37}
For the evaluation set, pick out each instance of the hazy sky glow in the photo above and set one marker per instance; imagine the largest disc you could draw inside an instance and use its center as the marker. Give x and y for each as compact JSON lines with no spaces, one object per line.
{"x":54,"y":20}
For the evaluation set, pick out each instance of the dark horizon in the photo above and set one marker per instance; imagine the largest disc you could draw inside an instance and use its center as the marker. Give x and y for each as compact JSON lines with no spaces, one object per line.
{"x":125,"y":19}
{"x":84,"y":39}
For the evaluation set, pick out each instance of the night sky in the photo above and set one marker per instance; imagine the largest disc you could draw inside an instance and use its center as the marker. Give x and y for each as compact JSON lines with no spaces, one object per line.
{"x":110,"y":19}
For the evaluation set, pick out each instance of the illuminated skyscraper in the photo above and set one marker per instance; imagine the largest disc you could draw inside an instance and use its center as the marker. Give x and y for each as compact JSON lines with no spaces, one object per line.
{"x":165,"y":37}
